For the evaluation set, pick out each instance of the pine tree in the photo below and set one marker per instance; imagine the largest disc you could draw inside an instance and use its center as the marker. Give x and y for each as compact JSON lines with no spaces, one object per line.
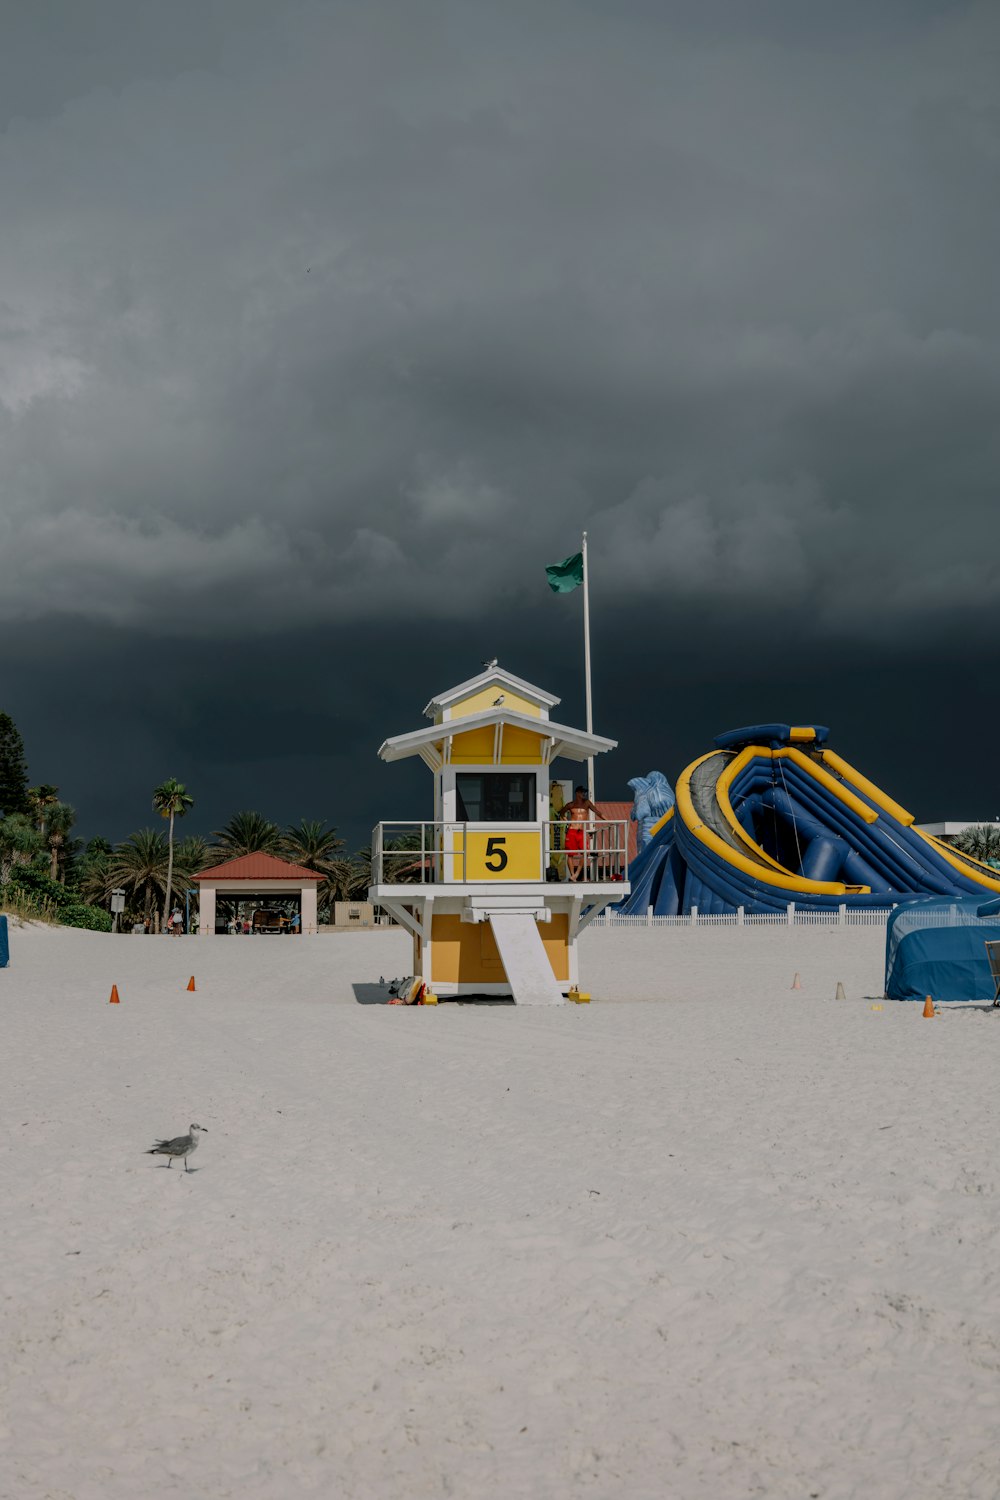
{"x":13,"y":769}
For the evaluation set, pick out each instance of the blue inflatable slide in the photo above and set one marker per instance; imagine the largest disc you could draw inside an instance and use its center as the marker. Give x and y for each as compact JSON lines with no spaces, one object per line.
{"x":773,"y":816}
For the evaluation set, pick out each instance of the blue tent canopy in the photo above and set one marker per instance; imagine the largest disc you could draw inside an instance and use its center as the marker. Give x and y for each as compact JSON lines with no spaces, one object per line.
{"x":938,"y":947}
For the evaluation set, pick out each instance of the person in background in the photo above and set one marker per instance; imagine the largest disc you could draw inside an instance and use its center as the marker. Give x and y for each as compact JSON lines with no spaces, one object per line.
{"x":296,"y":923}
{"x":576,"y":814}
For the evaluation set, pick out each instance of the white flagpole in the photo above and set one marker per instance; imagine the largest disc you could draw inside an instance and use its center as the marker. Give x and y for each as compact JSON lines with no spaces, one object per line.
{"x":586,"y":663}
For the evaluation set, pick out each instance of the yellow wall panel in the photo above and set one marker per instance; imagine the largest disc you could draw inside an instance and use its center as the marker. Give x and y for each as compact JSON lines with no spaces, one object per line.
{"x":474,"y":748}
{"x":506,"y":855}
{"x":486,"y":697}
{"x":520,"y":747}
{"x":555,"y":941}
{"x":466,"y":952}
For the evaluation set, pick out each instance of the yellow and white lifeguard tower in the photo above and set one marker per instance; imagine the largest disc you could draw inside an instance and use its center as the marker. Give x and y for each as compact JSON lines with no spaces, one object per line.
{"x":483,"y":886}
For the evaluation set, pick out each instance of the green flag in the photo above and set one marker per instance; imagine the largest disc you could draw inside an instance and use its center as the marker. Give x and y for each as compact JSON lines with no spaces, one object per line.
{"x":565,"y":576}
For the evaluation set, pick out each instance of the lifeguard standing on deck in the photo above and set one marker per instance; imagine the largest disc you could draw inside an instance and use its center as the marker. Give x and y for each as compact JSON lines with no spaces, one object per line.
{"x":578,"y":813}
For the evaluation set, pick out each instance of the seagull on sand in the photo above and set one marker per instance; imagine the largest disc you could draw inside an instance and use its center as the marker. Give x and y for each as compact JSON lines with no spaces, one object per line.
{"x":181,"y":1145}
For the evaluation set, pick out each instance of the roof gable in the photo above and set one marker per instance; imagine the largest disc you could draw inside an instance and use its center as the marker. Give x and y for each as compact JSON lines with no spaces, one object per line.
{"x":490,"y":677}
{"x":259,"y":867}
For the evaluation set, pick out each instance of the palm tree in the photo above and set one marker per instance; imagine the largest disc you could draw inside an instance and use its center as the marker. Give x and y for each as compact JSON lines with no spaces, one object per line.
{"x":170,"y":800}
{"x":20,"y":841}
{"x":313,"y":845}
{"x":248,"y":833}
{"x":92,"y":876}
{"x":59,"y":819}
{"x":42,"y":798}
{"x":982,"y":842}
{"x":310,"y":844}
{"x":192,"y":855}
{"x":361,"y":871}
{"x":140,"y":865}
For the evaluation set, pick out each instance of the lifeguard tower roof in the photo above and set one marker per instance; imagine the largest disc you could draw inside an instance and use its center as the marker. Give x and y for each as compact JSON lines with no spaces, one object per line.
{"x":434,"y":742}
{"x":485,"y":720}
{"x":500,"y":681}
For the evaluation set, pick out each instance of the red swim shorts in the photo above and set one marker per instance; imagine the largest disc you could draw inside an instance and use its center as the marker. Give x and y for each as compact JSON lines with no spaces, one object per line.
{"x":574,"y":836}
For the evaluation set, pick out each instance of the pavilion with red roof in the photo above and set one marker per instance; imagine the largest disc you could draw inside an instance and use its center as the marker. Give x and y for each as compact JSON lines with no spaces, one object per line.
{"x":249,"y":881}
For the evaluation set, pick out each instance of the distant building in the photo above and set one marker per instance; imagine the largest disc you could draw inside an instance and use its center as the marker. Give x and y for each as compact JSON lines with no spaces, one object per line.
{"x":353,"y":914}
{"x":949,"y":830}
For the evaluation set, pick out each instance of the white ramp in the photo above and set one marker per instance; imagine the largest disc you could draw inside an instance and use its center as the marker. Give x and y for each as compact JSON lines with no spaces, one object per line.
{"x":525,"y":961}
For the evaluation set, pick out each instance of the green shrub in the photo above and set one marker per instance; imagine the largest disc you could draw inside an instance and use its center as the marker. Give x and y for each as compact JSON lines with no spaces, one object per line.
{"x":34,"y":895}
{"x":17,"y":903}
{"x":78,"y":914}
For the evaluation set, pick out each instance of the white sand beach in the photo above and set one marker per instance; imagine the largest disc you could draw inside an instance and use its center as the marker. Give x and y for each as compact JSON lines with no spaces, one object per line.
{"x":706,"y":1237}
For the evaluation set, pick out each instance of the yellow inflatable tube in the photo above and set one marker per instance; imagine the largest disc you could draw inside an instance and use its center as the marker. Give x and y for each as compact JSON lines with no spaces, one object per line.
{"x":731,"y":856}
{"x":868,"y":787}
{"x":832,"y":785}
{"x":662,"y":823}
{"x":725,"y":781}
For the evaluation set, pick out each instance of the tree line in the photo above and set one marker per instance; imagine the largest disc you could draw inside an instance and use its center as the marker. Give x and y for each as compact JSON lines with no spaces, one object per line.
{"x":46,"y":871}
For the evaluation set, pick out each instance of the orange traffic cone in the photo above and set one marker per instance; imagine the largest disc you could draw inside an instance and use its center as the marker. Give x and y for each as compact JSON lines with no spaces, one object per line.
{"x":191,"y":984}
{"x":929,"y":1011}
{"x":114,"y":996}
{"x":796,"y":982}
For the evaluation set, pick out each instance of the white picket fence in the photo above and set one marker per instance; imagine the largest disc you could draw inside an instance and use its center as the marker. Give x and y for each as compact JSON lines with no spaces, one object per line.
{"x":844,"y":916}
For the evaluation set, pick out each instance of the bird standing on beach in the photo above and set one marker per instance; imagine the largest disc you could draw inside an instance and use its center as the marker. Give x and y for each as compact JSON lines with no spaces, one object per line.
{"x":181,"y":1145}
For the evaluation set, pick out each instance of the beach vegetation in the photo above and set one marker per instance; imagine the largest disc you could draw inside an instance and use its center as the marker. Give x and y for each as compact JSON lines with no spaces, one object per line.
{"x":33,"y":894}
{"x":13,"y":769}
{"x":248,"y":833}
{"x":171,"y":800}
{"x":59,"y":820}
{"x":982,"y":841}
{"x":192,"y":855}
{"x":139,"y":866}
{"x":40,"y":799}
{"x":315,"y":846}
{"x":20,"y":843}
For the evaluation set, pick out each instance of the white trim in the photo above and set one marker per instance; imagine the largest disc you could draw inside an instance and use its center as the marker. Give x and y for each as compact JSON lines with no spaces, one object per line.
{"x":265,"y":887}
{"x":494,"y":676}
{"x":575,"y":744}
{"x":418,"y":925}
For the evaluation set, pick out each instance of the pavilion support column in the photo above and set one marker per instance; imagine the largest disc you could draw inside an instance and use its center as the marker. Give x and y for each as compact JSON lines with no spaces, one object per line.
{"x":206,"y":911}
{"x":309,"y":907}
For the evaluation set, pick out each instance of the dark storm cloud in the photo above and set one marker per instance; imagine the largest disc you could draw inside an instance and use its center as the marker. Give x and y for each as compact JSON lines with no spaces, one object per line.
{"x":303,"y":307}
{"x":324,"y":327}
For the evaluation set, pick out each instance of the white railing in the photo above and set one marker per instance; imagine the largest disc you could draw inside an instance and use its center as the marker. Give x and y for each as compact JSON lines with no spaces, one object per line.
{"x":443,"y":853}
{"x":844,"y":916}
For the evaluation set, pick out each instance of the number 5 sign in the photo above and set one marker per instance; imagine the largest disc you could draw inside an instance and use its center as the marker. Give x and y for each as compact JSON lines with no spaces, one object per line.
{"x":511,"y":855}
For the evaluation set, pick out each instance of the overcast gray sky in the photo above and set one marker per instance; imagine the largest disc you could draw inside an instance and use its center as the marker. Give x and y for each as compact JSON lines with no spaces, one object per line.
{"x":323,"y":327}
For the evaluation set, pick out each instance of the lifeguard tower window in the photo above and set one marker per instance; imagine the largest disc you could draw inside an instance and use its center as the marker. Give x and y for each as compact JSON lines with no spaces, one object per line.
{"x":495,"y":798}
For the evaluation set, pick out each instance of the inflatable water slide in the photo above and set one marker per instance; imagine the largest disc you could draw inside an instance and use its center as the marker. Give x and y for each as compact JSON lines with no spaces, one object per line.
{"x":772,"y":816}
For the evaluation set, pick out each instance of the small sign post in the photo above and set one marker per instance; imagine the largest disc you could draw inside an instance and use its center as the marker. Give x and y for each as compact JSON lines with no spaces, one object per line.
{"x":117,"y":906}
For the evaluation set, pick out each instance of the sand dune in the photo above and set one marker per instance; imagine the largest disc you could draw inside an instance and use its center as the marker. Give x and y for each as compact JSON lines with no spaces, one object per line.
{"x":708,"y":1238}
